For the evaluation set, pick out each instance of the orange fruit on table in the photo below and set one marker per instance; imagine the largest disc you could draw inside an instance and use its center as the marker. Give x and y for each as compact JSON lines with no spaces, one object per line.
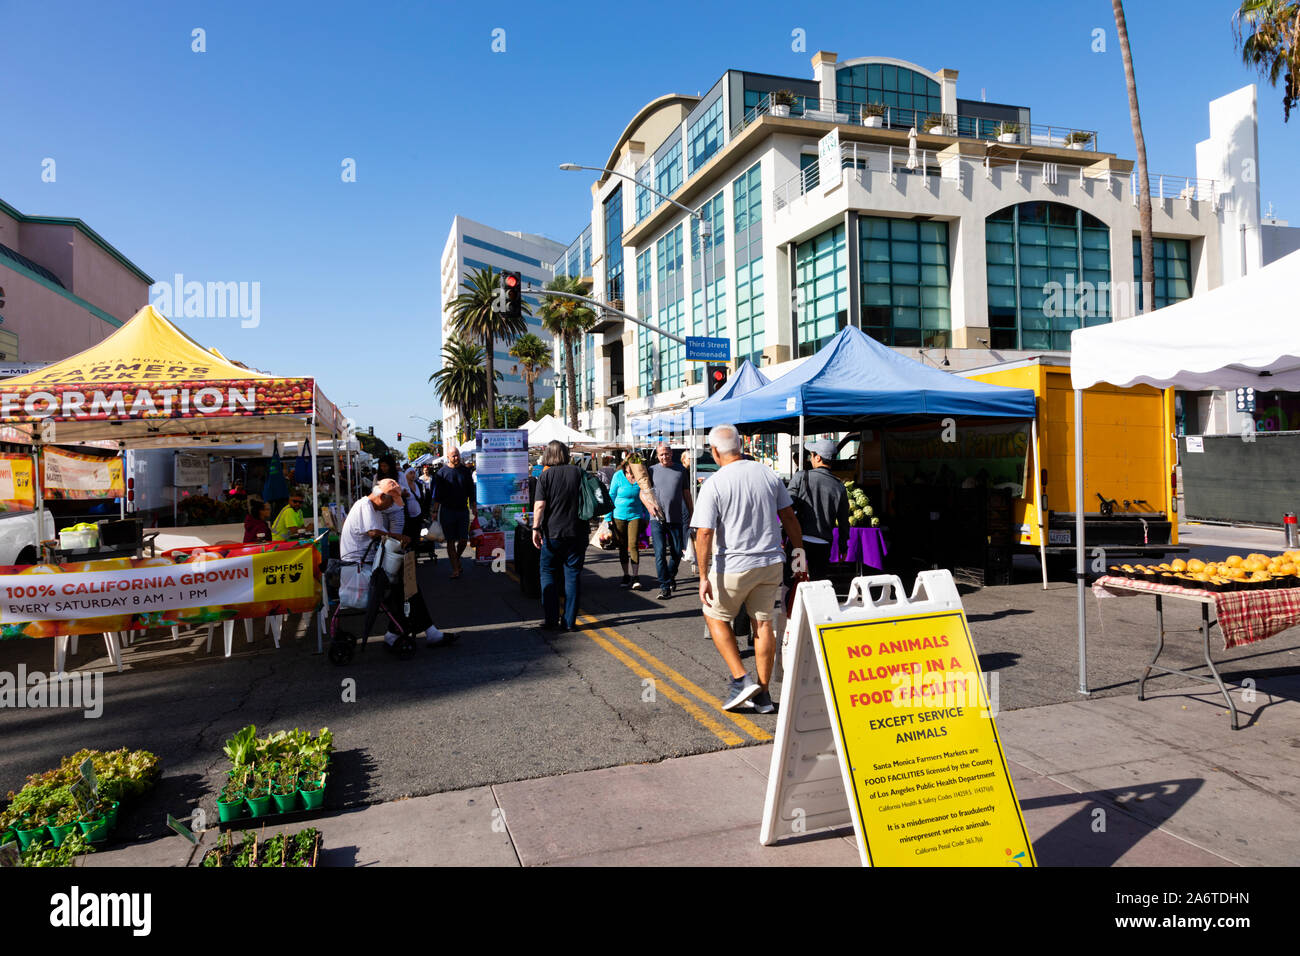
{"x":1195,"y":564}
{"x":1178,"y":565}
{"x":1233,"y":560}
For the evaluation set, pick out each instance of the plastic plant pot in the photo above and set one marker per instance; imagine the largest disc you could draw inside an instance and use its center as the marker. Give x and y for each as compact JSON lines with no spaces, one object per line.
{"x":259,"y":806}
{"x":285,"y":802}
{"x":96,"y":830}
{"x":60,"y":833}
{"x":230,"y":811}
{"x":26,"y":837}
{"x":313,"y":799}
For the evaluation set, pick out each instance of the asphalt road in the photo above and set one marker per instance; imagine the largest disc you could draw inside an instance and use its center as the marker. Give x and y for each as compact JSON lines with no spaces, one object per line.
{"x":640,"y":682}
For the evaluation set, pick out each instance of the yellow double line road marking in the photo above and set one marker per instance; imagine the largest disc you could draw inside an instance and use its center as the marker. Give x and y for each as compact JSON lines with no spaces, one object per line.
{"x":705,"y":715}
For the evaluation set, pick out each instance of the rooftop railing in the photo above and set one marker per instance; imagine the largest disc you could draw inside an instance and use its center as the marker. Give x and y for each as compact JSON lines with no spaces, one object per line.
{"x":898,"y":161}
{"x":942,"y":124}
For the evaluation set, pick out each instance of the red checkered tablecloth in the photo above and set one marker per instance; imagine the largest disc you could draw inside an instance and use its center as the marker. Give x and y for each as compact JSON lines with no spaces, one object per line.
{"x":1244,"y":616}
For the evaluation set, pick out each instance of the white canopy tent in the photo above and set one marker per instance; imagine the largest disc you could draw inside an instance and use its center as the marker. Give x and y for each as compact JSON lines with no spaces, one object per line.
{"x":548,"y":429}
{"x":1243,"y":334}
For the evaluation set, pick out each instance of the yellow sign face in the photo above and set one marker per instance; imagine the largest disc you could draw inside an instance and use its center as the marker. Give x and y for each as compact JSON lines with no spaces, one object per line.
{"x":283,"y":575}
{"x":930,"y":785}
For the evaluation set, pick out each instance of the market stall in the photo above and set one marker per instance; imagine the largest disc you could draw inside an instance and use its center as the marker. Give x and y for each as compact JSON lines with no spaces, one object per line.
{"x":149,"y":385}
{"x":855,"y":382}
{"x":1241,"y":335}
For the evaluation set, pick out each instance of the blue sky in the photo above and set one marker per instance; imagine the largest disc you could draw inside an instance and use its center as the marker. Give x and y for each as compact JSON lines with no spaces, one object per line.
{"x":226,"y":165}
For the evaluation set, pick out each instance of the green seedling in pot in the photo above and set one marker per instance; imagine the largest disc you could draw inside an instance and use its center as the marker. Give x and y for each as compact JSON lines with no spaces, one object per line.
{"x":241,"y":747}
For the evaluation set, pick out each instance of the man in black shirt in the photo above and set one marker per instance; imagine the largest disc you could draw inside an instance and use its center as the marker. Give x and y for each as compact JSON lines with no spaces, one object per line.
{"x":560,"y":535}
{"x":453,"y":493}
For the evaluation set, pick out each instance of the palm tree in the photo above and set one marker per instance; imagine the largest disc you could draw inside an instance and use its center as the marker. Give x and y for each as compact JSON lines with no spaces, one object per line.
{"x":566,"y":320}
{"x":1144,"y":179}
{"x":460,"y":383}
{"x":475,"y":317}
{"x":534,"y":355}
{"x":1268,"y":35}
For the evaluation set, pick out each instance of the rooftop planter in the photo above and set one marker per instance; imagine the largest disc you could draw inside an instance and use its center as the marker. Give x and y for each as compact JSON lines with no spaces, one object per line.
{"x":1008,"y":132}
{"x":873,"y":115}
{"x":1079,"y":139}
{"x":782,"y":100}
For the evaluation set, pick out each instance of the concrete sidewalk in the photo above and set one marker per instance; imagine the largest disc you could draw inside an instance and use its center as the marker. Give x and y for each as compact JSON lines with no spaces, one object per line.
{"x":1103,"y":782}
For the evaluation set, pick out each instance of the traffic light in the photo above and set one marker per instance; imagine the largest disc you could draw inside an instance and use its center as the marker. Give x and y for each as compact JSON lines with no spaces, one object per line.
{"x":512,"y":290}
{"x":716,"y":376}
{"x":399,"y":436}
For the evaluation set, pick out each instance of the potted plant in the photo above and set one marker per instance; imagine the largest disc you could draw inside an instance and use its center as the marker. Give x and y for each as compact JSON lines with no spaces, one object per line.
{"x":873,"y":115}
{"x":313,"y":791}
{"x":936,"y":124}
{"x":782,"y":100}
{"x":1008,"y":132}
{"x":63,"y":822}
{"x":1078,"y":139}
{"x":94,"y":822}
{"x":285,"y":789}
{"x":258,"y":795}
{"x":230,"y":803}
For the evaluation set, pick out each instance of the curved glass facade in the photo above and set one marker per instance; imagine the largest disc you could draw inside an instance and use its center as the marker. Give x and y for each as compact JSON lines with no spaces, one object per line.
{"x":1048,"y":274}
{"x":909,"y":94}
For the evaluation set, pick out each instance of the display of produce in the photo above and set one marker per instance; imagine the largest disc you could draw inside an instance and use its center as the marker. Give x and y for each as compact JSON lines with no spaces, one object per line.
{"x":57,"y":804}
{"x":277,"y":774}
{"x":1234,"y":573}
{"x":861,"y":514}
{"x":282,"y":850}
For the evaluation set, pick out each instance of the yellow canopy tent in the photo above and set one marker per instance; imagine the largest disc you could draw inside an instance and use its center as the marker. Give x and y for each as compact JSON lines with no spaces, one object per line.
{"x":149,"y":385}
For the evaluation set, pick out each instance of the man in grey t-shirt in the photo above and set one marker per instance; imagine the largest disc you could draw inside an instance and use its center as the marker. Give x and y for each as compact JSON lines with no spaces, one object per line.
{"x":738,"y":520}
{"x":668,"y":525}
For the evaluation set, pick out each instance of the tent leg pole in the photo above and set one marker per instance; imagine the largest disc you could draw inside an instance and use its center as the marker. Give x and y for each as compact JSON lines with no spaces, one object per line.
{"x":1038,"y":507}
{"x":315,"y":528}
{"x":121,"y":453}
{"x":334,"y":450}
{"x":1079,"y":552}
{"x":798,"y":452}
{"x":40,"y":499}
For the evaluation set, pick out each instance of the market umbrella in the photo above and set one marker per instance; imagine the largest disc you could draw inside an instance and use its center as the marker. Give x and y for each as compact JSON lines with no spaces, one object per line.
{"x":911,"y":148}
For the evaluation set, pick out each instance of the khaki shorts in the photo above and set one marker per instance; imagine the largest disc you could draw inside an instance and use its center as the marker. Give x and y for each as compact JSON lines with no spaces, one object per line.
{"x":756,"y":589}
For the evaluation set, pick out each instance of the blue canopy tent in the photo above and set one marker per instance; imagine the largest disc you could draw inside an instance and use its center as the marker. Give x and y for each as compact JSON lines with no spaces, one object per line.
{"x":745,"y":379}
{"x":855,"y":382}
{"x":854,"y":377}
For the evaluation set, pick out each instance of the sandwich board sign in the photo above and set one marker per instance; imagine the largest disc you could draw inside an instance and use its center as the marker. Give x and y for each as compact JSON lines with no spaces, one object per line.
{"x":887,"y":725}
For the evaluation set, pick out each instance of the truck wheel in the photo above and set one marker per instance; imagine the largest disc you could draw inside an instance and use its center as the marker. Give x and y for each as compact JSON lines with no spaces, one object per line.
{"x":26,"y":556}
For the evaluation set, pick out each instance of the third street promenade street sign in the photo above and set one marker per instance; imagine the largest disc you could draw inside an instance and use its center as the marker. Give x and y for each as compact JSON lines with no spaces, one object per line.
{"x":701,"y":348}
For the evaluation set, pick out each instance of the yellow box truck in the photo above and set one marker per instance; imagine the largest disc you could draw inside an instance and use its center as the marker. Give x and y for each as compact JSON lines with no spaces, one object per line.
{"x":1128,"y":465}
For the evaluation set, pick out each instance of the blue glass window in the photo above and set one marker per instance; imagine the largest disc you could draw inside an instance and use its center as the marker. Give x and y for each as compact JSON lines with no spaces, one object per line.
{"x":1172,"y":268}
{"x":1048,"y":274}
{"x":821,"y":279}
{"x":905,"y":281}
{"x":705,"y":136}
{"x":714,"y":322}
{"x":911,"y":96}
{"x":668,"y":172}
{"x":747,"y":204}
{"x":614,"y":244}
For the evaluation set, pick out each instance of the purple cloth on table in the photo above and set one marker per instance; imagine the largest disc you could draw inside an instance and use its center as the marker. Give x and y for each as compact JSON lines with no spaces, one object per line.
{"x":865,"y":544}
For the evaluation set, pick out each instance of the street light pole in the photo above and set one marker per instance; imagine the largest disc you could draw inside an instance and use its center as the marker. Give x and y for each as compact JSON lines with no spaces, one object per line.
{"x":706,"y":226}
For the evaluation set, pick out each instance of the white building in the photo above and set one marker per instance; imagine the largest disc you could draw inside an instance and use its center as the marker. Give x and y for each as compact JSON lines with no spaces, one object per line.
{"x":472,"y":245}
{"x":986,"y":231}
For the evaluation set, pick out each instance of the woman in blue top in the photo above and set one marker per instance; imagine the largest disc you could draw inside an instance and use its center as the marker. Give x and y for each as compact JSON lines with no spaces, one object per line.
{"x":629,"y":518}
